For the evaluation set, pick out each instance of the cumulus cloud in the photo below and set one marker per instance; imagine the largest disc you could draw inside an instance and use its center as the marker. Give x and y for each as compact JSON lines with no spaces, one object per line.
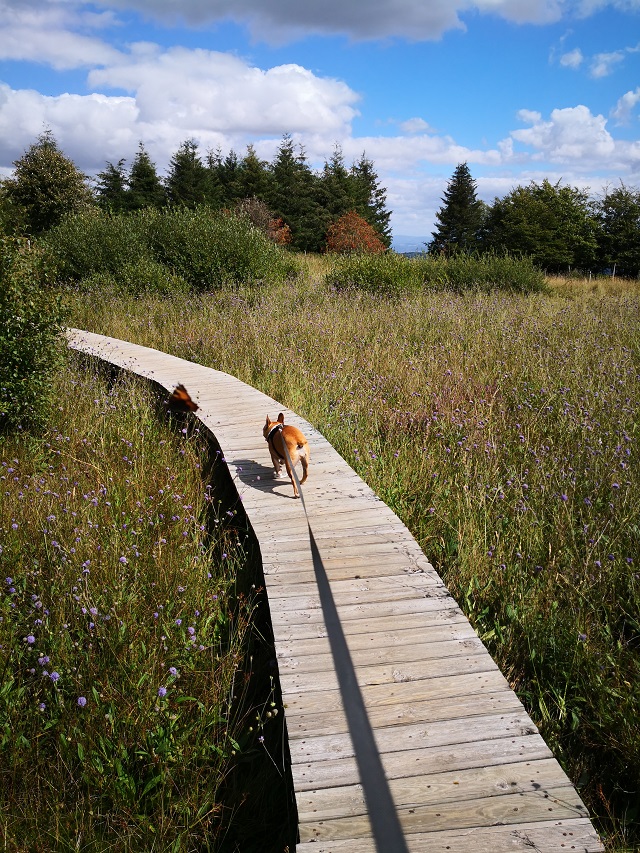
{"x":571,"y":135}
{"x":201,"y":91}
{"x":59,"y":35}
{"x":415,"y":125}
{"x":625,"y":106}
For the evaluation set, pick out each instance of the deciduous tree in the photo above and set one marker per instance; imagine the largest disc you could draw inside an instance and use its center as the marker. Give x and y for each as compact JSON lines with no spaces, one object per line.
{"x":553,"y":224}
{"x":352,"y":233}
{"x":618,"y":217}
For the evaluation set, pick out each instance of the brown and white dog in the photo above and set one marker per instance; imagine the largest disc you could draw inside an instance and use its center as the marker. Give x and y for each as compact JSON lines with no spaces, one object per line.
{"x":278,"y":436}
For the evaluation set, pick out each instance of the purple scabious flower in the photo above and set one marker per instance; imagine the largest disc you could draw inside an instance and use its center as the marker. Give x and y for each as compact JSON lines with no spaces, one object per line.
{"x":82,"y":701}
{"x":162,"y":692}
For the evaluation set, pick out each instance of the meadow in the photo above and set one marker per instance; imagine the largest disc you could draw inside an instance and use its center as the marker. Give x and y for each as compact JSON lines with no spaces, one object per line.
{"x":134,"y":694}
{"x":502,"y":428}
{"x":500,"y":424}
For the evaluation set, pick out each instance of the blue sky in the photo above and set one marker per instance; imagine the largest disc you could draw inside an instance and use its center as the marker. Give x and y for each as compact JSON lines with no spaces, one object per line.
{"x":521,"y":90}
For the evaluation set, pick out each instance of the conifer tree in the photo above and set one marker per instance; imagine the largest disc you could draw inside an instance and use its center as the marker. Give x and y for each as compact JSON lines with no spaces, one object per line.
{"x":459,"y":220}
{"x":370,"y":198}
{"x":254,"y":178}
{"x":145,"y":188}
{"x":295,"y":197}
{"x":187,"y":182}
{"x":337,"y":186}
{"x":111,"y":188}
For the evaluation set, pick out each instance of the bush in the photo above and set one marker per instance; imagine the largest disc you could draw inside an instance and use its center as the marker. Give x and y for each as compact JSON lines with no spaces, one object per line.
{"x":31,"y":342}
{"x":392,"y":274}
{"x":165,"y":251}
{"x":480,"y":272}
{"x":95,"y":242}
{"x":210,"y":248}
{"x":388,"y":274}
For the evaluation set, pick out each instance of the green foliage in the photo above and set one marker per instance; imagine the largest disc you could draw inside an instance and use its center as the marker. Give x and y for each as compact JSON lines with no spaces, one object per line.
{"x":490,"y":271}
{"x":392,"y":274}
{"x":549,"y":222}
{"x":188,"y":180}
{"x":144,"y":188}
{"x":618,"y":217}
{"x":124,"y":625}
{"x":31,"y":342}
{"x":459,"y":219}
{"x":386,"y":274}
{"x":165,"y":251}
{"x":46,"y":186}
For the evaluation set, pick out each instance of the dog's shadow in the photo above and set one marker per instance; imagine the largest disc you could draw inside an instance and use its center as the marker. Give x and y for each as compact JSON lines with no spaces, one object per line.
{"x":260,"y":477}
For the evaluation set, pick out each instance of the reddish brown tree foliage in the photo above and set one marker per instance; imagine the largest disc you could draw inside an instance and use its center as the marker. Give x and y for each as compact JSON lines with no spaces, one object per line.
{"x":352,"y":233}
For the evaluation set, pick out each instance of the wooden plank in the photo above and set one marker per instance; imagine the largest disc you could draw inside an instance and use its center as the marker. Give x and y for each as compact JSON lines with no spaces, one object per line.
{"x":423,"y":761}
{"x":540,"y":837}
{"x":457,"y":786}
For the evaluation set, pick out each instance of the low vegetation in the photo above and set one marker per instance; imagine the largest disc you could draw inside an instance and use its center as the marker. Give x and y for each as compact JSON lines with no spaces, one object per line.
{"x":130,"y":710}
{"x":502,"y":427}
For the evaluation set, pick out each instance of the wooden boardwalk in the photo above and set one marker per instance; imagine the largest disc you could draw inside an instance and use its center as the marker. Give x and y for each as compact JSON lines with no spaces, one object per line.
{"x":404,"y":735}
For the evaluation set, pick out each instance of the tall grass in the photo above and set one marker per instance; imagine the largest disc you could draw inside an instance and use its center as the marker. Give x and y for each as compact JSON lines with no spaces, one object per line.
{"x":126,"y":615}
{"x":503,"y":429}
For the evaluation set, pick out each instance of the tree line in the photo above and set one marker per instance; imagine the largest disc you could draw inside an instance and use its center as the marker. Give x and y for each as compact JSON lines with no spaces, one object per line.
{"x":559,"y":227}
{"x":297,"y":203}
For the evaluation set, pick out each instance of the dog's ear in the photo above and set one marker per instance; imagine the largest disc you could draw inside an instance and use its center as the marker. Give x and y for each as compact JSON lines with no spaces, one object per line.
{"x":268,"y":421}
{"x":180,"y":401}
{"x":280,"y":418}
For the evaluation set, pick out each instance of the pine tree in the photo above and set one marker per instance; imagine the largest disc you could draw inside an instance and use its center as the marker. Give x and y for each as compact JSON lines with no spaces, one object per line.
{"x":459,"y":220}
{"x":111,"y":188}
{"x":145,"y":188}
{"x":370,"y":198}
{"x":337,"y":186}
{"x":187,"y":182}
{"x":254,"y":178}
{"x":295,"y":197}
{"x":46,"y":185}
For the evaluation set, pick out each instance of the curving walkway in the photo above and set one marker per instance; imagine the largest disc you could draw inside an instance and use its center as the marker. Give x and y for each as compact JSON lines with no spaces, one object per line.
{"x":404,"y":735}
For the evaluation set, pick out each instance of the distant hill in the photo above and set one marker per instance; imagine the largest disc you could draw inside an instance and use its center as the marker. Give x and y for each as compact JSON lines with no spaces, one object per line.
{"x":406,"y":244}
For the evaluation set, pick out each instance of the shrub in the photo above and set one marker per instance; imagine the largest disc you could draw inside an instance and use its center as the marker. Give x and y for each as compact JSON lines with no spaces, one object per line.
{"x":210,"y":249}
{"x":386,"y":273}
{"x":393,"y":274}
{"x":165,"y":251}
{"x":352,"y":233}
{"x":95,"y":242}
{"x":31,"y":343}
{"x":460,"y":272}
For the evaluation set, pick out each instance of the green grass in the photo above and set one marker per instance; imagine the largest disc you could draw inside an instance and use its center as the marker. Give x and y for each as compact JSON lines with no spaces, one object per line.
{"x":130,"y":708}
{"x":503,"y":429}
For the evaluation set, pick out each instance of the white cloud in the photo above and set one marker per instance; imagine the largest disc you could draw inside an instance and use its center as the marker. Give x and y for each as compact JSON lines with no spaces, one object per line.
{"x":415,"y":125}
{"x":572,"y":59}
{"x":625,"y":106}
{"x":47,"y":33}
{"x":571,"y":135}
{"x":603,"y":64}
